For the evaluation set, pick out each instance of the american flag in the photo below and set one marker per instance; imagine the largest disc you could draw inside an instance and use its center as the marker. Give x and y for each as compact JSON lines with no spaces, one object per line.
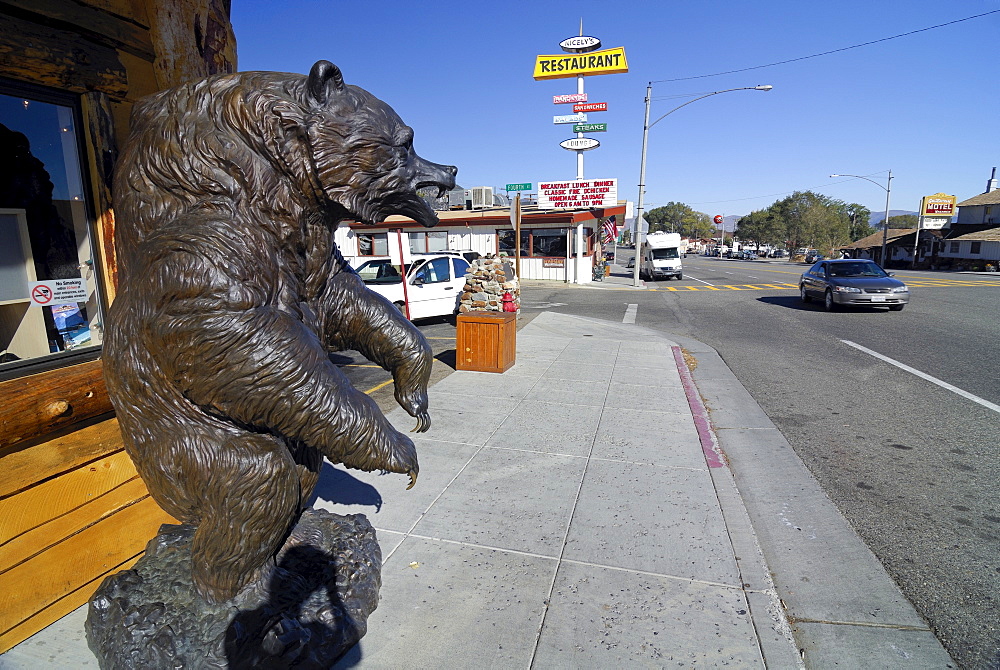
{"x":610,"y":230}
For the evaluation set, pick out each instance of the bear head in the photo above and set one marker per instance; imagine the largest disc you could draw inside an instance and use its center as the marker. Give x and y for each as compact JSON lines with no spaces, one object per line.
{"x":363,"y":152}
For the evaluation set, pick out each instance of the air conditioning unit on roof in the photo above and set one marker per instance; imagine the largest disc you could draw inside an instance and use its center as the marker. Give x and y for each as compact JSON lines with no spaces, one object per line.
{"x":479,"y":197}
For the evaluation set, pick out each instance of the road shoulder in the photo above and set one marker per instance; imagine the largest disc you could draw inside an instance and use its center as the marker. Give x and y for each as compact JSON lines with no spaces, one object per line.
{"x":835,"y":592}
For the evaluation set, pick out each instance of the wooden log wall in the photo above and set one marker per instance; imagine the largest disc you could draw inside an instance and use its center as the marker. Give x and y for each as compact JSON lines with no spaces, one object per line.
{"x":73,"y":510}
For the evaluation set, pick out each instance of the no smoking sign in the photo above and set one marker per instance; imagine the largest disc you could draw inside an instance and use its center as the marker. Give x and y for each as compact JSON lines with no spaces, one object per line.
{"x":58,"y":292}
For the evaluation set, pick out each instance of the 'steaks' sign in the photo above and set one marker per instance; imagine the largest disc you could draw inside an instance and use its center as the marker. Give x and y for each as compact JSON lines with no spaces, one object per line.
{"x":609,"y":61}
{"x":579,"y":193}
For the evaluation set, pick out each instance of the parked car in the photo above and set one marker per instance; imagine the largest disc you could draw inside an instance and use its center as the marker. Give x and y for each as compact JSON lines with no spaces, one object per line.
{"x":850,"y":281}
{"x":467,"y":254}
{"x":812,"y":256}
{"x":778,"y":253}
{"x":433,"y":283}
{"x":748,"y":255}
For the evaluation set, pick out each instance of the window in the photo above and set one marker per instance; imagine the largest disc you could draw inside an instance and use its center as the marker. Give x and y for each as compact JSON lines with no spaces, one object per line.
{"x":437,"y":270}
{"x":461,"y":266}
{"x":976,"y":248}
{"x":953,"y":248}
{"x":505,"y":242}
{"x":49,"y":294}
{"x":428,"y":241}
{"x":541,"y":242}
{"x":373,"y":244}
{"x":665,"y":254}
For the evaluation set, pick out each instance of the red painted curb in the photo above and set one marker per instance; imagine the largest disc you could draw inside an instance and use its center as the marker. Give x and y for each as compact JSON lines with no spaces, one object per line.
{"x":699,"y":413}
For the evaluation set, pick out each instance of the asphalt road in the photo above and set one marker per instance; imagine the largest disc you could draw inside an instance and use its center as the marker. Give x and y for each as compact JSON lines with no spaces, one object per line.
{"x":912,"y":465}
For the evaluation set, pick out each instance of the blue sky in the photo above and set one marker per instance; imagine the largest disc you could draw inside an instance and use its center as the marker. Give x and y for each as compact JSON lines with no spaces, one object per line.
{"x":925,"y":106}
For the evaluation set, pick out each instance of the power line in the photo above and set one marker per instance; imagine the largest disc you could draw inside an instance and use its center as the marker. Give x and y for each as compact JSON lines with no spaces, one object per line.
{"x":773,"y":195}
{"x":827,"y":53}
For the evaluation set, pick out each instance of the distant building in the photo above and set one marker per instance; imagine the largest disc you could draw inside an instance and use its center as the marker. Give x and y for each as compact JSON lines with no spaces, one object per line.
{"x":556,"y":244}
{"x":973,"y":241}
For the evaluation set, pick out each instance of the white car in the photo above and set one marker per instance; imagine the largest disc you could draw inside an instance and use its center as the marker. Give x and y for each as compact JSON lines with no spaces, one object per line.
{"x":433,"y":283}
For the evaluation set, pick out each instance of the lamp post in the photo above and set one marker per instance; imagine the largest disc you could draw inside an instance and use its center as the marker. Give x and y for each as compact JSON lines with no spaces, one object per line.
{"x":642,"y":170}
{"x":885,"y":228}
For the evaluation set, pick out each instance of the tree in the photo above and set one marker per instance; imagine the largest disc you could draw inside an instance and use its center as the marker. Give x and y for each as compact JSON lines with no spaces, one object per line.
{"x":902,"y":221}
{"x":676,"y":217}
{"x":761,"y":227}
{"x":803,"y":219}
{"x":859,"y":216}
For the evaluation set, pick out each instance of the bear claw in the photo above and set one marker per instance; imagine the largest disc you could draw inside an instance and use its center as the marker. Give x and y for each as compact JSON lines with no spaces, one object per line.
{"x":413,"y":479}
{"x":423,"y":423}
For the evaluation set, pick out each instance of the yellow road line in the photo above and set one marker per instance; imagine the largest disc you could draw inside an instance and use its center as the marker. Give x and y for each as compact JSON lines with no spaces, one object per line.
{"x":376,"y":388}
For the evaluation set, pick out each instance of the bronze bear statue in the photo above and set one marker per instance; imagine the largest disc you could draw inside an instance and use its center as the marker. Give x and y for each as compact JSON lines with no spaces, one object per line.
{"x":232,"y":293}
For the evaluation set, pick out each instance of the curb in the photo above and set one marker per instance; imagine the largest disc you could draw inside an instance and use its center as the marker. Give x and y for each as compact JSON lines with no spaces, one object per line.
{"x":774,"y":631}
{"x":843,"y":607}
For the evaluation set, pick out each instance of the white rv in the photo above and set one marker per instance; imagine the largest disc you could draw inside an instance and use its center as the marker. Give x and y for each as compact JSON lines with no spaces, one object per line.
{"x":661,"y":256}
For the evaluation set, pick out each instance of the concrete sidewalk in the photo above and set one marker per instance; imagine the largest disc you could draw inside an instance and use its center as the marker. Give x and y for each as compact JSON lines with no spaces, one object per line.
{"x":584,"y":510}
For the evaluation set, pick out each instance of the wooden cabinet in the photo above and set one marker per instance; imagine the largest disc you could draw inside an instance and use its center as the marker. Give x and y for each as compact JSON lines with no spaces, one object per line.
{"x":486,"y":341}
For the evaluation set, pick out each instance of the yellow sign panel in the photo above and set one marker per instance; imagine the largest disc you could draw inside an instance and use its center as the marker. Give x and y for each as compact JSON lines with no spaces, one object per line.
{"x":939,"y":204}
{"x":608,"y":61}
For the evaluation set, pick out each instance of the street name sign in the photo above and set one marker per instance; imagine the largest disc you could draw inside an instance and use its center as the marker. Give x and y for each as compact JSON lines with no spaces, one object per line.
{"x":518,"y":187}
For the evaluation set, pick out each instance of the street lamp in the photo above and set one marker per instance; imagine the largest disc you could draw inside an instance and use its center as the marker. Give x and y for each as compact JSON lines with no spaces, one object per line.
{"x":885,"y":227}
{"x":642,"y":170}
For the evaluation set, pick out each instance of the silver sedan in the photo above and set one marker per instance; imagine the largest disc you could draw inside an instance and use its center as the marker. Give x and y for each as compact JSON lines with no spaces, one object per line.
{"x":851,"y":281}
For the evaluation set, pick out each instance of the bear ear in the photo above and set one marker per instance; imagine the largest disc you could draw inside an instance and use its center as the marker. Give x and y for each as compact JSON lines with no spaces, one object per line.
{"x":319,"y":77}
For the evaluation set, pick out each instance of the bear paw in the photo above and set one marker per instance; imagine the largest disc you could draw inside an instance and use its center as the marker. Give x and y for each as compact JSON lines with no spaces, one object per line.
{"x":415,"y":404}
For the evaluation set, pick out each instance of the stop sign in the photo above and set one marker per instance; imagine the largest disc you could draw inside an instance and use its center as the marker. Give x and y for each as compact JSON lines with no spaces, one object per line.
{"x":718,"y":218}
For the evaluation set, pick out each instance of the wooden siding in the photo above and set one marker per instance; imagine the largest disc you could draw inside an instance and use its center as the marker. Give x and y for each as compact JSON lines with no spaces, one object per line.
{"x":73,"y":510}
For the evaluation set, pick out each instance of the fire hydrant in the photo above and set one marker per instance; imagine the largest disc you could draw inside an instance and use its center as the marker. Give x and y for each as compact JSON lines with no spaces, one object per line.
{"x":508,"y":302}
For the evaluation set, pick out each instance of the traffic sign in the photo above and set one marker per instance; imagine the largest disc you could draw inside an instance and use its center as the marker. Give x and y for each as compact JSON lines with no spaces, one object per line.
{"x":590,"y":128}
{"x":518,"y":187}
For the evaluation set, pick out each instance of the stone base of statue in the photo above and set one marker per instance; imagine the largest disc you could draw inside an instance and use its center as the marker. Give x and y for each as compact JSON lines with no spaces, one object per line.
{"x":309,"y":610}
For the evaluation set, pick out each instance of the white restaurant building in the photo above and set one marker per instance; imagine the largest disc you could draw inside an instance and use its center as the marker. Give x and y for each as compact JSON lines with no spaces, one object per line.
{"x":556,"y":244}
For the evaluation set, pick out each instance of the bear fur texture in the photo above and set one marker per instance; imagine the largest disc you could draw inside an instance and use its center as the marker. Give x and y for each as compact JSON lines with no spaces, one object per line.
{"x":232,"y":293}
